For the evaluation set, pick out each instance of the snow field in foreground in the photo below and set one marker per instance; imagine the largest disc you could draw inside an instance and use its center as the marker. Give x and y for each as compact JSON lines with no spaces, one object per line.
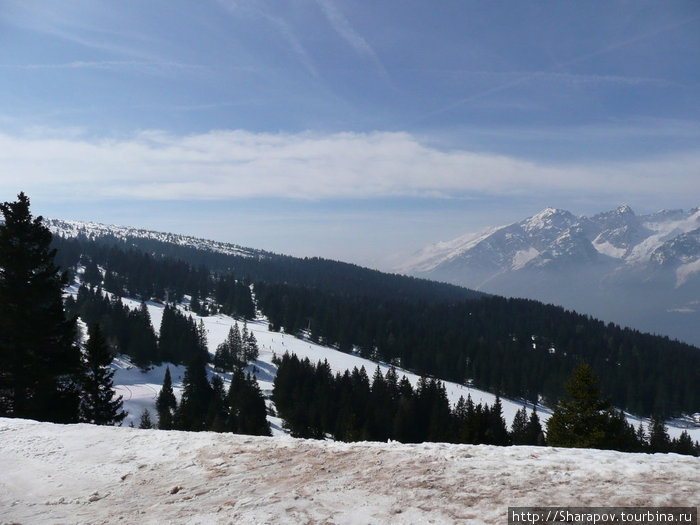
{"x":90,"y":474}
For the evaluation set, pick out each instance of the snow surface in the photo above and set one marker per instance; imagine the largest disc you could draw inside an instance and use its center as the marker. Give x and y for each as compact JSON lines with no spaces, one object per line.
{"x":684,"y":271}
{"x":90,"y":474}
{"x":663,"y":231}
{"x":432,"y":256}
{"x":70,"y":229}
{"x":609,"y":249}
{"x":522,"y":257}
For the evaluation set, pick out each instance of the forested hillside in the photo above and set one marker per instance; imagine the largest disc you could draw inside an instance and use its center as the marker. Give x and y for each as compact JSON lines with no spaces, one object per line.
{"x":518,"y":348}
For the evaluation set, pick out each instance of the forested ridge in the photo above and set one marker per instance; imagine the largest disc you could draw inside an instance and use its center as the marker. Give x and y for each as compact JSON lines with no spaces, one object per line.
{"x":518,"y":348}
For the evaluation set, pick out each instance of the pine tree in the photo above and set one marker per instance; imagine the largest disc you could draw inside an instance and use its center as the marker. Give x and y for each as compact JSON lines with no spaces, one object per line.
{"x":533,"y":430}
{"x":518,"y":430}
{"x":684,"y":445}
{"x":496,"y":431}
{"x":40,"y":363}
{"x":217,"y":412}
{"x":146,"y":422}
{"x":642,"y":436}
{"x":143,"y":343}
{"x":251,"y":351}
{"x":583,"y":419}
{"x":166,"y":404}
{"x":196,"y":396}
{"x":98,"y":404}
{"x":247,"y":410}
{"x":659,"y":440}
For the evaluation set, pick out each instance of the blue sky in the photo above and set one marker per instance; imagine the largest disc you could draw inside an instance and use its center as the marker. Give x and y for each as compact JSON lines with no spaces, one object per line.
{"x":351,"y":130}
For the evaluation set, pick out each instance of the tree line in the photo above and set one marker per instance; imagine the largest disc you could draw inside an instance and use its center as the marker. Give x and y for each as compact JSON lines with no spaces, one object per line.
{"x":518,"y":348}
{"x":124,"y":270}
{"x":207,"y":405}
{"x":315,"y":403}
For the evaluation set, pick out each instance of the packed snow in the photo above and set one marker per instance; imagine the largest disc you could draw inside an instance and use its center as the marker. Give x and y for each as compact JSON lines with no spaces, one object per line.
{"x":90,"y":474}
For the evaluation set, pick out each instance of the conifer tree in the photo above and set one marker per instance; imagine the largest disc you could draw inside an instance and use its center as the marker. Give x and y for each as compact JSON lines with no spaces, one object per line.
{"x":247,"y":410}
{"x":659,"y":440}
{"x":98,"y":404}
{"x":684,"y":445}
{"x":217,"y":412}
{"x":583,"y":419}
{"x":533,"y":430}
{"x":251,"y":351}
{"x":166,"y":404}
{"x":518,"y":430}
{"x":642,"y":436}
{"x":196,"y":396}
{"x":496,"y":431}
{"x":143,"y":343}
{"x":40,"y":363}
{"x":146,"y":422}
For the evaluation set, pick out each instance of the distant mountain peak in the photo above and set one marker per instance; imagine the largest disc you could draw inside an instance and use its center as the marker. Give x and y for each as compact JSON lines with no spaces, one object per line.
{"x":588,"y":263}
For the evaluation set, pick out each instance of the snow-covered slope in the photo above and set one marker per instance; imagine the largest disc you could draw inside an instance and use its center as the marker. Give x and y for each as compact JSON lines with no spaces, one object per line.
{"x":140,"y":388}
{"x":642,"y":271}
{"x":89,"y":474}
{"x":70,"y":229}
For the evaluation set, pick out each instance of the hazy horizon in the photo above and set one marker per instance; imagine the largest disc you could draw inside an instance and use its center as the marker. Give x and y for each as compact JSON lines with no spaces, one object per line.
{"x":344,"y":130}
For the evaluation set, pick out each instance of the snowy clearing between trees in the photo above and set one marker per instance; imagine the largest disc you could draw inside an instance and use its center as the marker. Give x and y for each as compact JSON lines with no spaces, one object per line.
{"x":90,"y":474}
{"x":140,"y":389}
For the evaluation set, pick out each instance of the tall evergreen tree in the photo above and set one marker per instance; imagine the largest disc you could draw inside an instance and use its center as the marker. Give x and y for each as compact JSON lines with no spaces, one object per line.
{"x":496,"y":432}
{"x":40,"y":363}
{"x":247,"y":413}
{"x":518,"y":430}
{"x":585,"y":419}
{"x":217,"y":412}
{"x":659,"y":440}
{"x":196,"y":397}
{"x":533,"y":430}
{"x":166,"y":404}
{"x":98,"y":404}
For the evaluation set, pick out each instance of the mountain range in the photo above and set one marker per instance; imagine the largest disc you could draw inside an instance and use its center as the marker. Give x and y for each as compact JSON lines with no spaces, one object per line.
{"x":641,"y":271}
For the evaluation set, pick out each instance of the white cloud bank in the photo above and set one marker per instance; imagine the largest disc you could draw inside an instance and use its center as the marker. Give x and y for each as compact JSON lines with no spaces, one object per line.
{"x":241,"y":164}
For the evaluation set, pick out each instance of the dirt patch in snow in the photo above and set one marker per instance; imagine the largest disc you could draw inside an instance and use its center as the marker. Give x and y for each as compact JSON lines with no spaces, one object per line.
{"x":87,"y":474}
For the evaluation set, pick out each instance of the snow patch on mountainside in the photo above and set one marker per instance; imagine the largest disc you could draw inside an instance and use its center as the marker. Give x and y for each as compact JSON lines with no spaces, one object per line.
{"x":609,"y":249}
{"x":88,"y":474}
{"x":684,"y":272}
{"x":522,"y":257}
{"x":428,"y":258}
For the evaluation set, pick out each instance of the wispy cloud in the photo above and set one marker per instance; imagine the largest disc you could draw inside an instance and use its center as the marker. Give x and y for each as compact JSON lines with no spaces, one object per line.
{"x":282,"y":28}
{"x":342,"y":27}
{"x":88,"y":25}
{"x":238,"y":164}
{"x":152,"y":67}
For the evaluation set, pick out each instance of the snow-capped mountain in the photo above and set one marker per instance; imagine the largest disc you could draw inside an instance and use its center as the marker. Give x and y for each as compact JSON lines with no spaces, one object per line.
{"x":642,"y":271}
